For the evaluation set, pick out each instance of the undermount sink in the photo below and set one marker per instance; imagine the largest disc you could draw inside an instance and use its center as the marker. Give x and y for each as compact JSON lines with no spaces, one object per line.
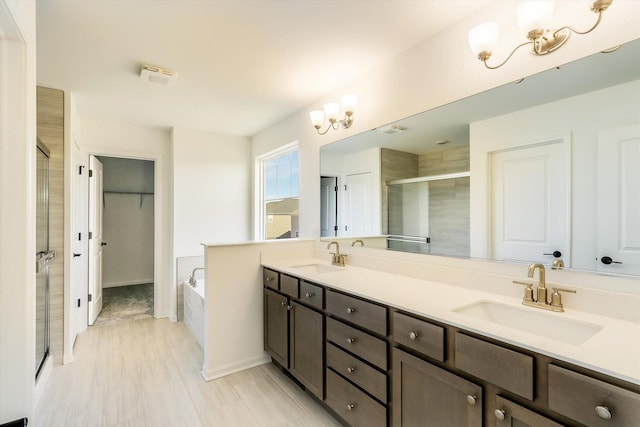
{"x":316,"y":268}
{"x":544,"y":324}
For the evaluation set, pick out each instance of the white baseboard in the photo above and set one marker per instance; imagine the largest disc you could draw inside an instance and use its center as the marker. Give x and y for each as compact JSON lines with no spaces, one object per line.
{"x":232,"y":368}
{"x":127,"y":283}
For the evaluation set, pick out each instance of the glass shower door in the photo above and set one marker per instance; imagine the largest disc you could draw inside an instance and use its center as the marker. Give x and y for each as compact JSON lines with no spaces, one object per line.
{"x":43,"y":256}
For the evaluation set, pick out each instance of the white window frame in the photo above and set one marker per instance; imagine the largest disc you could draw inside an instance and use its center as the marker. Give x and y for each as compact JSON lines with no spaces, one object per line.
{"x":259,"y":209}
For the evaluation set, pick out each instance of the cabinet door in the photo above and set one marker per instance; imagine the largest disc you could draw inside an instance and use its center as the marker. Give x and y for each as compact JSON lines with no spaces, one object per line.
{"x":276,"y":327}
{"x":306,"y":345}
{"x":513,"y":415}
{"x":427,"y":396}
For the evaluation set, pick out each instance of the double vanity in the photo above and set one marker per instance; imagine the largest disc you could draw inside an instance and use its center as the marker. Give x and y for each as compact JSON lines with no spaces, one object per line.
{"x":382,"y":349}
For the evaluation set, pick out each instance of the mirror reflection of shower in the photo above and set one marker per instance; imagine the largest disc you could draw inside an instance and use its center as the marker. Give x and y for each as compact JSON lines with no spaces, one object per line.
{"x":43,"y":256}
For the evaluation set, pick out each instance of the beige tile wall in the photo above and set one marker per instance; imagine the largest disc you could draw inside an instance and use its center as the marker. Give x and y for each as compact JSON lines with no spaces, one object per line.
{"x":50,"y":120}
{"x":394,"y":165}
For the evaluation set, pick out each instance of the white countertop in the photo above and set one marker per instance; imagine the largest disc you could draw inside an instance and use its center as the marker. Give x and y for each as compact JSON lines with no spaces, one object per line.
{"x":614,"y":350}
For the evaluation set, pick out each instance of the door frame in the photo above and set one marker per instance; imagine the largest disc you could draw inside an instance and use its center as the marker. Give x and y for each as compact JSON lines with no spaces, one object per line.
{"x":156,"y":224}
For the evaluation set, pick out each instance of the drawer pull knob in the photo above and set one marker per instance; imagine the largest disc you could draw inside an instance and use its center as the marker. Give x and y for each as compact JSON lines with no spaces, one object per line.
{"x":283,"y":303}
{"x":350,"y":310}
{"x":269,"y":279}
{"x":471,"y":400}
{"x":309,"y":294}
{"x":351,"y":406}
{"x":413,"y":336}
{"x":351,"y":370}
{"x":603,"y":412}
{"x":351,"y":340}
{"x":500,"y":414}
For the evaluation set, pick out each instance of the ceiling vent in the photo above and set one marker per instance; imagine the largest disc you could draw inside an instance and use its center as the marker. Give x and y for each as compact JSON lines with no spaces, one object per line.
{"x":156,"y":75}
{"x":390,"y":129}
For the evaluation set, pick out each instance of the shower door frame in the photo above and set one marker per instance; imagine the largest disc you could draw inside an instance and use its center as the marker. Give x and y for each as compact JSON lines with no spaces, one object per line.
{"x":47,"y":338}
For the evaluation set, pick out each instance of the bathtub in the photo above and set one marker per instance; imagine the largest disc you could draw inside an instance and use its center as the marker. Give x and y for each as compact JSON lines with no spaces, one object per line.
{"x":194,"y":309}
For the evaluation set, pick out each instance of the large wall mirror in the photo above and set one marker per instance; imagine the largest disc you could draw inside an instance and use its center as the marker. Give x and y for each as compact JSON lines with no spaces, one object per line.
{"x":545,"y":169}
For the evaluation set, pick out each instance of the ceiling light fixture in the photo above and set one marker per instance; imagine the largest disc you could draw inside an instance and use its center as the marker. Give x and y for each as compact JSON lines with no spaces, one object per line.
{"x":332,"y":112}
{"x":532,"y":16}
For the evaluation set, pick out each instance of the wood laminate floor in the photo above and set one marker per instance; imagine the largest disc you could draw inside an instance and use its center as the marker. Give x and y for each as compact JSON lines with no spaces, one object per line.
{"x":147,"y":373}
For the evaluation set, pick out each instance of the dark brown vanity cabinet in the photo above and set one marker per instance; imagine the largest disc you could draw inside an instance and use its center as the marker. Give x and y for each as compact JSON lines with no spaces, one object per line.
{"x":425,"y":395}
{"x":387,"y":367}
{"x":293,"y":332}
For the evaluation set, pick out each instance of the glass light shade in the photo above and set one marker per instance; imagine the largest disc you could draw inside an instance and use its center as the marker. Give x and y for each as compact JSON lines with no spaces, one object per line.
{"x":484,"y":37}
{"x":535,"y":15}
{"x":349,"y":102}
{"x":332,"y":110}
{"x":317,"y":118}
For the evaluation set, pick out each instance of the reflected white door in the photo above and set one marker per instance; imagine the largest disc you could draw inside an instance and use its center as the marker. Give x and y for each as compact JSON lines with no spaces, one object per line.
{"x":530,"y":203}
{"x":95,"y":238}
{"x":619,"y":200}
{"x":328,"y":206}
{"x":357,"y":197}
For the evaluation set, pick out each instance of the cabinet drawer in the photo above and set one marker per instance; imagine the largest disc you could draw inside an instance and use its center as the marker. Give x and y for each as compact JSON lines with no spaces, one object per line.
{"x":355,"y":310}
{"x":577,"y":396}
{"x":368,"y":378}
{"x":312,"y":295}
{"x":360,"y":343}
{"x":353,"y":405}
{"x":509,"y":414}
{"x":419,"y":335}
{"x":289,"y":285}
{"x":505,"y":368}
{"x":270,"y":278}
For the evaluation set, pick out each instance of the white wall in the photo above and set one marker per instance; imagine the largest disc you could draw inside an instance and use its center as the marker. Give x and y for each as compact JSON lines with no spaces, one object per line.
{"x":127,"y":222}
{"x":107,"y":138}
{"x":211,"y":189}
{"x":440,"y":70}
{"x":17,"y":208}
{"x":581,"y":118}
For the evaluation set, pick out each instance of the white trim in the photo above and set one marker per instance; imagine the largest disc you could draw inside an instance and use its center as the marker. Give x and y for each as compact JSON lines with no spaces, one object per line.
{"x":232,"y":368}
{"x":429,"y":178}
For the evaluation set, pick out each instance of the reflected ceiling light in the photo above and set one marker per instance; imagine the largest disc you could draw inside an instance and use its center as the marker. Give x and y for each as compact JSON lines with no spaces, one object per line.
{"x":533,"y":16}
{"x":332,"y":113}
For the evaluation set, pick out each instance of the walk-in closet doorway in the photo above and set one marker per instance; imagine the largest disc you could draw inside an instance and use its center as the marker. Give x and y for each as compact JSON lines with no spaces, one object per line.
{"x":121,"y":244}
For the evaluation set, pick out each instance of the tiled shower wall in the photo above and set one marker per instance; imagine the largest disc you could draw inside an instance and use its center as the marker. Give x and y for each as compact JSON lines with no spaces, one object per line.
{"x":50,"y":120}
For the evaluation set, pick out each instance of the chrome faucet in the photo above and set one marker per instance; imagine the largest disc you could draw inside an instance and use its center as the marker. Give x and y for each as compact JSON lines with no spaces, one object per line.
{"x":192,"y":278}
{"x":337,"y":258}
{"x":357,"y":241}
{"x":541,"y":300}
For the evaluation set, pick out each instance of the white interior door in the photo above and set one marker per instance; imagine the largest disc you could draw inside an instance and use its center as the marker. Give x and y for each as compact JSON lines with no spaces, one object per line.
{"x":328,"y":206}
{"x":530,"y":203}
{"x":357,"y":196}
{"x":619,"y":200}
{"x":95,"y":238}
{"x":79,"y":262}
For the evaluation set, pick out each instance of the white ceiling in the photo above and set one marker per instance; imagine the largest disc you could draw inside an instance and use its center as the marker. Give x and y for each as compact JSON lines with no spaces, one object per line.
{"x":242,"y":65}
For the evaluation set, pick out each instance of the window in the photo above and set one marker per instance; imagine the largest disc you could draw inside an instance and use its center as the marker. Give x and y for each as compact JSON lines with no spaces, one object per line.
{"x":279,"y":190}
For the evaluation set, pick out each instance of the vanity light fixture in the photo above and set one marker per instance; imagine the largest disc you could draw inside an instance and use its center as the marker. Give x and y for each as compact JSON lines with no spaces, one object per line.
{"x":532,"y":16}
{"x":332,"y":112}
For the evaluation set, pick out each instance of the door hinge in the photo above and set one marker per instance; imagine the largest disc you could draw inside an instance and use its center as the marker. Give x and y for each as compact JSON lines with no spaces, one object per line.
{"x":90,"y":235}
{"x":345,"y":187}
{"x":346,"y":228}
{"x":335,"y":228}
{"x":335,"y":188}
{"x":90,"y":173}
{"x":80,"y":170}
{"x":90,"y":298}
{"x":78,"y":302}
{"x":79,"y":237}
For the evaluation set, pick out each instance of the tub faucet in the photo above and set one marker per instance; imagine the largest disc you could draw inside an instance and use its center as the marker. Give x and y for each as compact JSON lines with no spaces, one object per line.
{"x":192,"y":278}
{"x":337,"y":258}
